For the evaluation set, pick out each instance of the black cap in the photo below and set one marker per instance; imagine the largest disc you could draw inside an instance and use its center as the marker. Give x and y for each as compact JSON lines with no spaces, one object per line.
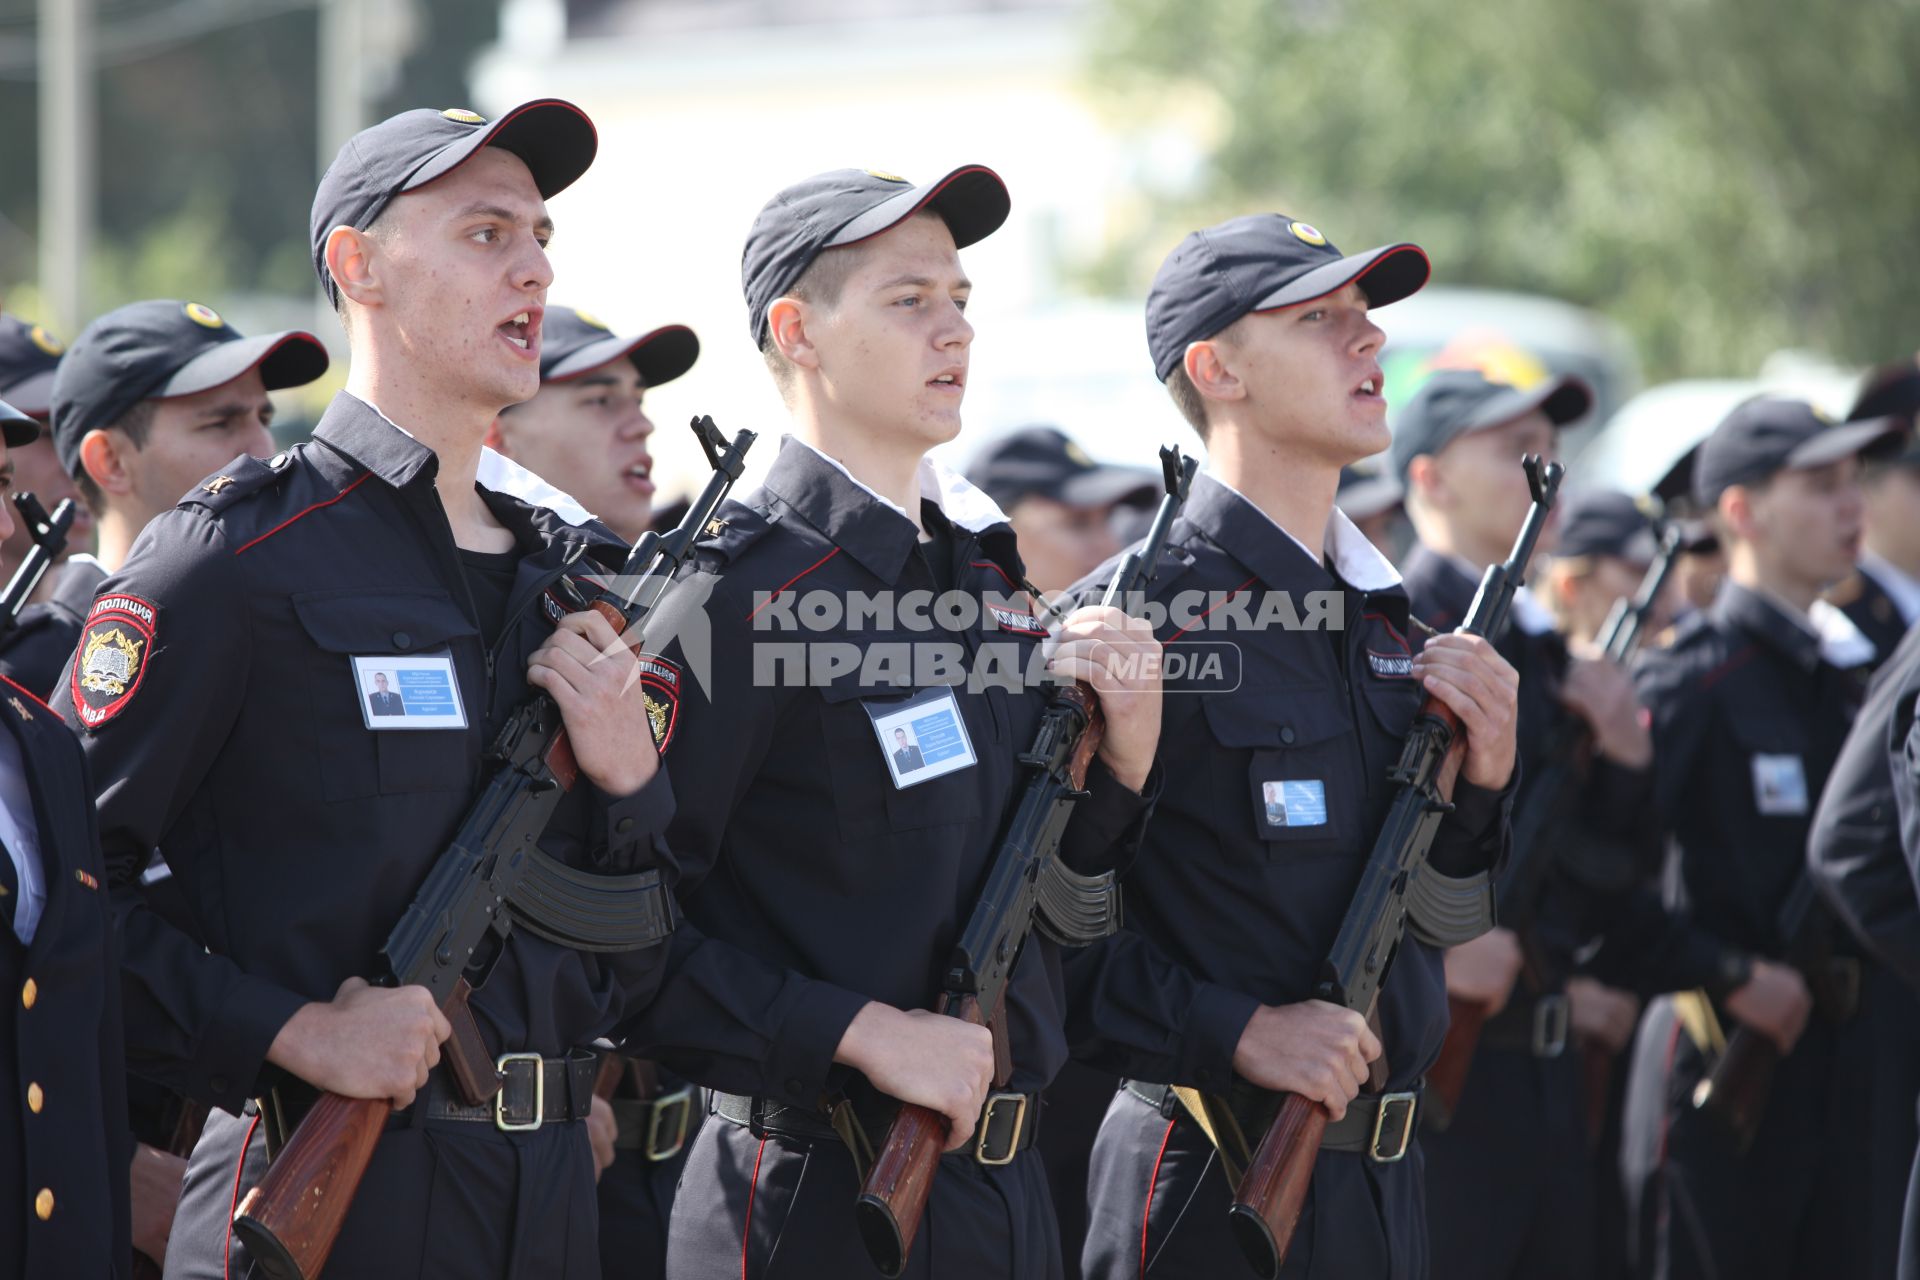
{"x":1043,"y":461}
{"x":1457,"y":402}
{"x":1261,"y":262}
{"x":1604,"y":522}
{"x":1891,"y":391}
{"x":158,"y":350}
{"x":29,"y":356}
{"x":1366,"y":492}
{"x":405,"y":152}
{"x":16,"y":428}
{"x":845,"y":206}
{"x":573,"y":342}
{"x":1769,"y":434}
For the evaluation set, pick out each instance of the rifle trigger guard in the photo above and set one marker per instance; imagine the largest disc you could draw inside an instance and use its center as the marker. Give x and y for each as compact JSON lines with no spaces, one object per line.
{"x":1076,"y":909}
{"x":1445,"y":911}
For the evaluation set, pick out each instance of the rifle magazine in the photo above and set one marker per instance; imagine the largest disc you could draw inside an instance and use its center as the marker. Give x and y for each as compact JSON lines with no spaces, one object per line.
{"x":591,"y":912}
{"x":1077,"y":909}
{"x":1445,"y":911}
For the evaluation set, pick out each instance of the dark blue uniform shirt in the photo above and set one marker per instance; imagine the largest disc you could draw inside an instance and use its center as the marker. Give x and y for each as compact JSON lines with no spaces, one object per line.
{"x":224,"y":726}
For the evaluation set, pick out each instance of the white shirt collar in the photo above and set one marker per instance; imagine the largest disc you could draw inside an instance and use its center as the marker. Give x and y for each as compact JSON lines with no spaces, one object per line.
{"x":959,"y":500}
{"x":1902,"y":589}
{"x":502,"y":474}
{"x":1842,"y":643}
{"x":1355,"y":558}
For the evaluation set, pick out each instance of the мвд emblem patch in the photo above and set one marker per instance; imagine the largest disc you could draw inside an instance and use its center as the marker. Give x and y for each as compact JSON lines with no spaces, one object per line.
{"x":114,"y":648}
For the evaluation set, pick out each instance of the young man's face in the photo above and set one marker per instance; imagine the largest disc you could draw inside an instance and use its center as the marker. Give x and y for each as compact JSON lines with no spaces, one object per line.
{"x":1061,"y":544}
{"x":1483,"y":490}
{"x":1307,"y":370}
{"x":588,"y":436}
{"x":190,"y":438}
{"x":37,"y":470}
{"x":1587,"y":599}
{"x":460,"y":261}
{"x":1806,"y":523}
{"x":1892,"y":513}
{"x":893,"y":349}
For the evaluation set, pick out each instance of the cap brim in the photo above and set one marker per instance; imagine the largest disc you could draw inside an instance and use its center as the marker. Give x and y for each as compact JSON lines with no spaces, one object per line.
{"x":1105,"y":486}
{"x":1385,"y":275}
{"x":16,"y":428}
{"x":1563,"y":399}
{"x":972,"y":201}
{"x":660,"y":356}
{"x":555,"y":139}
{"x":290,"y":359}
{"x":1365,"y":499}
{"x":33,"y":395}
{"x":1842,"y":441}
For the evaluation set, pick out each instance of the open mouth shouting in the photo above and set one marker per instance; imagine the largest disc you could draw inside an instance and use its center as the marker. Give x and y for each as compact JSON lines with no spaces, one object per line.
{"x":522,"y":331}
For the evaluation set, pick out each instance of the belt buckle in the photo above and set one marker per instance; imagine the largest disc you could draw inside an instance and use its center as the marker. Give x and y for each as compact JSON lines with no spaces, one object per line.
{"x":504,"y":1064}
{"x":1409,"y":1100}
{"x":994,"y":1100}
{"x":680,"y":1104}
{"x":1552,"y":1018}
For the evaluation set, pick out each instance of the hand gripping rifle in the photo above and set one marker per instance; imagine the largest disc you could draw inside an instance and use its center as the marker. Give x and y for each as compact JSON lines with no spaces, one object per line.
{"x":49,"y":534}
{"x":1026,"y":885}
{"x":1551,"y":803}
{"x":491,"y":878}
{"x":1397,"y":888}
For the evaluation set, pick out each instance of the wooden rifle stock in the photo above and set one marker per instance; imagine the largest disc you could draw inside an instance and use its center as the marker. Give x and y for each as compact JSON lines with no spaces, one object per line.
{"x":1735,"y":1092}
{"x":1447,"y":1077}
{"x":894,"y":1195}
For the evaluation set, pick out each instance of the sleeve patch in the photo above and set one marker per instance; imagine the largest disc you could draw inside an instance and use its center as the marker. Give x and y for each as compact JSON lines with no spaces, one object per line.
{"x":114,"y":648}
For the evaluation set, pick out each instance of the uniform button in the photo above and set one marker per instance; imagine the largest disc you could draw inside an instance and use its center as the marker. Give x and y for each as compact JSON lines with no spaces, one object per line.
{"x":401,"y":640}
{"x":1286,"y":734}
{"x":36,"y":1098}
{"x":29,"y":993}
{"x":623,"y":826}
{"x":43,"y":1204}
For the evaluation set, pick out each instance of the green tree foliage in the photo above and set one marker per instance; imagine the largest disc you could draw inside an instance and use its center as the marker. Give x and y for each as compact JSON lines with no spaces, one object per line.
{"x":1722,"y":177}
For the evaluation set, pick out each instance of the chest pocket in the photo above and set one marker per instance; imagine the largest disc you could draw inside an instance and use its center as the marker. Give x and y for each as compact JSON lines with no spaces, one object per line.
{"x":866,"y":804}
{"x":355,"y":761}
{"x":1287,"y":763}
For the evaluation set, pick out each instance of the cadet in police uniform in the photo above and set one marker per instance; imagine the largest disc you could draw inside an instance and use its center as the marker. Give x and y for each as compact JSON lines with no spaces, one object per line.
{"x":586,"y":433}
{"x":1519,"y":1136}
{"x":29,"y":357}
{"x":587,"y":430}
{"x":1882,"y":595}
{"x":1277,"y":781}
{"x":1061,"y":503}
{"x":1855,"y":857}
{"x":829,"y":886}
{"x":152,"y":397}
{"x":217,"y":686}
{"x":63,"y":1126}
{"x":1749,"y":707}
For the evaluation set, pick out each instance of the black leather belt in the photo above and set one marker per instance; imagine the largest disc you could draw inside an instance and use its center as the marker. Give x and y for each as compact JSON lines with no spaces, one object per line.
{"x":534,"y":1091}
{"x":1008,"y":1124}
{"x":1538,"y":1026}
{"x":1378,"y":1126}
{"x":656,"y":1126}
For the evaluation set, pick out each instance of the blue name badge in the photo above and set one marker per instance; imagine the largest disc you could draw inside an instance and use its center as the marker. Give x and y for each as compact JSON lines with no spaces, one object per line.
{"x":923,"y":738}
{"x":417,"y":692}
{"x":1295,"y":804}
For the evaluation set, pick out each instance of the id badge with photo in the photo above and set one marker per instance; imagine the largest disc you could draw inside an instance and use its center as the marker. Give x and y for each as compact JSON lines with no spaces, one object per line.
{"x":1780,"y":786}
{"x":421,"y":691}
{"x":922,"y":738}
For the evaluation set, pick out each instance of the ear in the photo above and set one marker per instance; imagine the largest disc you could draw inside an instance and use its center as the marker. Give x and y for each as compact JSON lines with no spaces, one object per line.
{"x":787,"y":322}
{"x":351,"y":261}
{"x":103,"y":458}
{"x":1425,"y":479}
{"x":1207,"y":369}
{"x":1737,"y":508}
{"x":496,"y":440}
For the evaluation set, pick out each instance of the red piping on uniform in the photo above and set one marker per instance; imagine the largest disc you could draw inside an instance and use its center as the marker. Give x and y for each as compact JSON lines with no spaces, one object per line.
{"x":790,"y":581}
{"x":1147,"y":1211}
{"x":1726,"y":668}
{"x":233,"y":1207}
{"x":1210,"y":608}
{"x":38,"y":700}
{"x":988,"y":564}
{"x":309,"y":511}
{"x":1381,"y":618}
{"x":746,"y":1232}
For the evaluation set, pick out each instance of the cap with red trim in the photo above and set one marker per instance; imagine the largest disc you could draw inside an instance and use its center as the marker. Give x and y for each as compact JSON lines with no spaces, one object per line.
{"x":846,"y":206}
{"x":1458,"y":402}
{"x":1770,"y":434}
{"x":158,"y":350}
{"x":16,"y":428}
{"x":573,"y":343}
{"x":29,"y":355}
{"x":1261,"y":262}
{"x":407,"y":151}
